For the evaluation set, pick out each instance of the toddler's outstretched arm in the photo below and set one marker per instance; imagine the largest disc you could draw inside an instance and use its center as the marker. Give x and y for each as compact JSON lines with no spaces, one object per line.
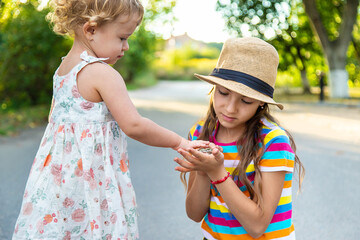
{"x":105,"y":82}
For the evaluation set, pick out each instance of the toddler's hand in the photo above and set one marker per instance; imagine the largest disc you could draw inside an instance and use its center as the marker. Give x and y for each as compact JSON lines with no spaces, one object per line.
{"x":186,"y":144}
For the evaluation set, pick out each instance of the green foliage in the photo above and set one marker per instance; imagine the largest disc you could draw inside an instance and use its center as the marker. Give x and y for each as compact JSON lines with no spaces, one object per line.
{"x":30,"y":51}
{"x":353,"y":64}
{"x":330,"y":15}
{"x":215,"y":45}
{"x":143,"y":79}
{"x":30,"y":54}
{"x":182,"y":63}
{"x":14,"y":120}
{"x":144,"y":42}
{"x":159,"y":10}
{"x":284,"y":24}
{"x":139,"y":56}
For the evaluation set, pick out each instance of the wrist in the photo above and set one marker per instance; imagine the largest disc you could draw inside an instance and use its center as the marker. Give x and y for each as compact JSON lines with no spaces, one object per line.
{"x":221,"y":180}
{"x":179,"y":143}
{"x":201,"y":173}
{"x":218,"y":175}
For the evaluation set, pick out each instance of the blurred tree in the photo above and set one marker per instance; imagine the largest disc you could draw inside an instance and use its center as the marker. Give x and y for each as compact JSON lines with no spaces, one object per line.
{"x":138,"y":58}
{"x":333,"y":22}
{"x":159,"y":13}
{"x":2,"y":4}
{"x":216,"y":45}
{"x":30,"y":53}
{"x":144,"y":42}
{"x":353,"y":65}
{"x":283,"y":23}
{"x":180,"y":63}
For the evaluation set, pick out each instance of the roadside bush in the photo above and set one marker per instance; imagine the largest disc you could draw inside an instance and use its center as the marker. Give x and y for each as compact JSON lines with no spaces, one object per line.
{"x":30,"y":54}
{"x":181,"y":64}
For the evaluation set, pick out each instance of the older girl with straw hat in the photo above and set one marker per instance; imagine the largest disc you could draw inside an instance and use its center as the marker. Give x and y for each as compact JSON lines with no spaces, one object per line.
{"x":244,"y":191}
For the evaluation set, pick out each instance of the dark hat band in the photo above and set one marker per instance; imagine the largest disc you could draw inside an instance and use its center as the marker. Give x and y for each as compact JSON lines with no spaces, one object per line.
{"x":246,"y":79}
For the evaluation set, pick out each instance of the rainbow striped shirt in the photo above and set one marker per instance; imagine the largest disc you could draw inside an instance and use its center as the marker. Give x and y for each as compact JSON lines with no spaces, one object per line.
{"x":219,"y":223}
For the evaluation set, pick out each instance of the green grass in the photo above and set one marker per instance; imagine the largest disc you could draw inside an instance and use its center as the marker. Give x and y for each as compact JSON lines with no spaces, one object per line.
{"x":12,"y":121}
{"x":145,"y":79}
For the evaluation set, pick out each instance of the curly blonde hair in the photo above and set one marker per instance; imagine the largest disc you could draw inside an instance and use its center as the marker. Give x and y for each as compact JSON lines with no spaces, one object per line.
{"x":68,"y":15}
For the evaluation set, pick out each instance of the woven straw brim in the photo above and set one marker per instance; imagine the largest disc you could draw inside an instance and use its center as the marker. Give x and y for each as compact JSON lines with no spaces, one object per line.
{"x":239,"y":88}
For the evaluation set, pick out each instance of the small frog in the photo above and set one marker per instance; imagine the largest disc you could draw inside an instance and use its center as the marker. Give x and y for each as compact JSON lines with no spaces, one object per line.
{"x":205,"y":150}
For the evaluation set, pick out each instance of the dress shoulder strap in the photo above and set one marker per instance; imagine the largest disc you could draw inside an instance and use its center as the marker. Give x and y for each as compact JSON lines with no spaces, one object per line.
{"x":87,"y":59}
{"x":90,"y":59}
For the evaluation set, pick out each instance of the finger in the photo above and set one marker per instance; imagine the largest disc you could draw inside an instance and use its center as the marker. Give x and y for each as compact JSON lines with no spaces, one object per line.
{"x":188,"y":156}
{"x":199,"y":156}
{"x":183,"y":163}
{"x":183,"y":170}
{"x":202,"y":142}
{"x":218,"y":154}
{"x":199,"y":144}
{"x":215,"y":148}
{"x":212,"y":145}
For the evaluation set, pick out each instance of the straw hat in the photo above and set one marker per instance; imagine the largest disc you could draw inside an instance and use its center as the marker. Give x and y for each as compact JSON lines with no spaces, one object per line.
{"x":247,"y":66}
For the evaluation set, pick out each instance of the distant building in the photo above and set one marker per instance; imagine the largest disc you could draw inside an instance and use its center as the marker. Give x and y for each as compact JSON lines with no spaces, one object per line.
{"x":175,"y":42}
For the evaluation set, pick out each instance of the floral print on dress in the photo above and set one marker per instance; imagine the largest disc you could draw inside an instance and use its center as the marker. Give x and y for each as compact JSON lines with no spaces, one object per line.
{"x":79,"y":186}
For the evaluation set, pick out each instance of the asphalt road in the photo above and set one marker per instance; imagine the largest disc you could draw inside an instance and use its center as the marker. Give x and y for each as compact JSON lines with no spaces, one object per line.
{"x":328,"y":142}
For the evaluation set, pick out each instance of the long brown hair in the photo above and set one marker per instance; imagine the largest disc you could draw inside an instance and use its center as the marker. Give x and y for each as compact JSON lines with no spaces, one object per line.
{"x":249,"y":148}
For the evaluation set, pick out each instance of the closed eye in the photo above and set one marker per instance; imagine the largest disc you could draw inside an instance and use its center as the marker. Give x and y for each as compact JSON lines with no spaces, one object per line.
{"x":246,"y":102}
{"x":223,"y":93}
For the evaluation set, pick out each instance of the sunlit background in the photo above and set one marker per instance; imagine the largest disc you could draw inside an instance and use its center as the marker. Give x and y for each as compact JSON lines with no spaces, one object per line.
{"x":199,"y":20}
{"x":178,"y":38}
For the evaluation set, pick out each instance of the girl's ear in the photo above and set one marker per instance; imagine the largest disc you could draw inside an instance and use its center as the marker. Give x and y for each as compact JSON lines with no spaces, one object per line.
{"x":262,"y":105}
{"x":89,"y":29}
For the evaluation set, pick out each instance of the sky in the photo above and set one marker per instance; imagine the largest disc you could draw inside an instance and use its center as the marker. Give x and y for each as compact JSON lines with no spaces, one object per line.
{"x":199,"y":19}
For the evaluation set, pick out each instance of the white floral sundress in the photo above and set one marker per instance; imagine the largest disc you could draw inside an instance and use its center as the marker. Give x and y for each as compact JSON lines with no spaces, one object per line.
{"x":79,"y":185}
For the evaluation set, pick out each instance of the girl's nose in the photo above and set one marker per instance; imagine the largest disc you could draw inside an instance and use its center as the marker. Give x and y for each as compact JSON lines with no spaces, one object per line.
{"x":231,"y":106}
{"x":126,"y":46}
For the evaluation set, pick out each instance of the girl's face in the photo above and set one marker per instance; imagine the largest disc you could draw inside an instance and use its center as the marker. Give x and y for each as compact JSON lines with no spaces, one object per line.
{"x":111,"y":39}
{"x":232,"y":109}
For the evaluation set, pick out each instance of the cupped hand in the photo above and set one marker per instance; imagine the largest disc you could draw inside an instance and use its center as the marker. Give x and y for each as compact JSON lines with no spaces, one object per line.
{"x":194,"y":160}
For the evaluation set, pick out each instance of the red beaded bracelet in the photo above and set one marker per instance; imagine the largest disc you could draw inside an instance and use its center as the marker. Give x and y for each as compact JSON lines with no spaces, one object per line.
{"x":221,"y":180}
